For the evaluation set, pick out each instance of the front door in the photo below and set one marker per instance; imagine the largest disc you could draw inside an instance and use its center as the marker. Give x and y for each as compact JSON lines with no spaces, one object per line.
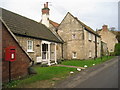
{"x":44,"y":51}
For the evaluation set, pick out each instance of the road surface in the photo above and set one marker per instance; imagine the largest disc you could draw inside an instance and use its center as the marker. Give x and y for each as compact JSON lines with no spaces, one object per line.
{"x":100,"y":76}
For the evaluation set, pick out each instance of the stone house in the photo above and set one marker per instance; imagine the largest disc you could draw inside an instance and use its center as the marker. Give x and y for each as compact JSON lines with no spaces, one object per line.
{"x":19,"y":67}
{"x":108,"y":37}
{"x":36,"y":39}
{"x":80,"y":41}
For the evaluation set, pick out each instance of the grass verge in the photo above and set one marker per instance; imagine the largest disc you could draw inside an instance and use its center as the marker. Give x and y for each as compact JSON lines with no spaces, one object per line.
{"x":89,"y":63}
{"x":43,"y":73}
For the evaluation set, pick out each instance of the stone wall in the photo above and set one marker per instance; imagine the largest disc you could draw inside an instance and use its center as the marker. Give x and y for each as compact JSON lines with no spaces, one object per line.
{"x":36,"y":46}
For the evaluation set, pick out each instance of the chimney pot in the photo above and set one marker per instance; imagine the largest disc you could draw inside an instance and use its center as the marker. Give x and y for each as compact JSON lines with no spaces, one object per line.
{"x":46,"y":5}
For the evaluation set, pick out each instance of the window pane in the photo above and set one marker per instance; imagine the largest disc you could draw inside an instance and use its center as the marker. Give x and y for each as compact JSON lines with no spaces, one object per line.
{"x":30,"y":45}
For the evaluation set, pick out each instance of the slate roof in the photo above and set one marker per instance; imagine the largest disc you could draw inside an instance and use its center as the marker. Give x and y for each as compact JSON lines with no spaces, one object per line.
{"x":21,"y":25}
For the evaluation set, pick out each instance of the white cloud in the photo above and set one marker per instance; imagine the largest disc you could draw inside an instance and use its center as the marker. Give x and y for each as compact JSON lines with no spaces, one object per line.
{"x":94,"y":13}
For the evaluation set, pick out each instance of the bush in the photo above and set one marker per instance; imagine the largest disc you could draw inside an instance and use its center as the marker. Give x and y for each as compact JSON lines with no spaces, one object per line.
{"x":112,"y":54}
{"x":117,"y":49}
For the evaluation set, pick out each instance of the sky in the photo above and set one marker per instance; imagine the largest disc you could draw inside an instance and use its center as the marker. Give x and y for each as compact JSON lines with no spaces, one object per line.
{"x":93,"y":13}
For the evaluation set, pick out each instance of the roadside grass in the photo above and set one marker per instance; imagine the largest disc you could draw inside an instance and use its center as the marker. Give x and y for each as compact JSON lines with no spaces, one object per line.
{"x":48,"y":73}
{"x":89,"y":62}
{"x":43,"y":73}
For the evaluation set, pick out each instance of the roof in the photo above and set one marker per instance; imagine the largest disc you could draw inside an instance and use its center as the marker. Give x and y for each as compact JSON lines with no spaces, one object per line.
{"x":21,"y":25}
{"x":54,"y":23}
{"x":84,"y":25}
{"x":16,"y":40}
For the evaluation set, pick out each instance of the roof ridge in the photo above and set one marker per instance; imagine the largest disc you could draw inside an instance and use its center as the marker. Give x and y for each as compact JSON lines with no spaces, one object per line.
{"x":20,"y":15}
{"x":20,"y":24}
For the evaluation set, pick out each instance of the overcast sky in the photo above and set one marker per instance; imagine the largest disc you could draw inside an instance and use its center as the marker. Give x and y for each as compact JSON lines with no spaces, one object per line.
{"x":93,"y":13}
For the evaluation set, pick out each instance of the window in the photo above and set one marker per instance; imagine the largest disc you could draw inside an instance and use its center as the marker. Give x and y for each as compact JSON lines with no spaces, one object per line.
{"x":97,"y":40}
{"x":74,"y":55}
{"x":93,"y":38}
{"x":29,"y":46}
{"x":90,"y":54}
{"x":73,"y":36}
{"x":89,"y":36}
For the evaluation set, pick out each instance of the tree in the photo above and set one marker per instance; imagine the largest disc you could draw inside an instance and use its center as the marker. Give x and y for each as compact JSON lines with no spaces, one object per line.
{"x":117,"y":49}
{"x":112,"y":28}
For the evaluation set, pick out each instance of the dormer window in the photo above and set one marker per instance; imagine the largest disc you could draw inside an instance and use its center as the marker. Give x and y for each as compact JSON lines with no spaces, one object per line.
{"x":73,"y":36}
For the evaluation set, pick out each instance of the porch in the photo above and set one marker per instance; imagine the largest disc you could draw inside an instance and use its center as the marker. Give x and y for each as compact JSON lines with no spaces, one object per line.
{"x":48,"y":53}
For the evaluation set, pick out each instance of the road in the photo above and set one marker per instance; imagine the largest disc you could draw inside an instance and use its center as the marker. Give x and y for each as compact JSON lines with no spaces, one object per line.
{"x":100,"y":76}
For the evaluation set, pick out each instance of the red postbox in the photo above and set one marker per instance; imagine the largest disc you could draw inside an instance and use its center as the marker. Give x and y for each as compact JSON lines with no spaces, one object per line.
{"x":10,"y":53}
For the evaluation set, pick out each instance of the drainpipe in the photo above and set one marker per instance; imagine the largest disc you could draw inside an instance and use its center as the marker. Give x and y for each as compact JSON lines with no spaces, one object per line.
{"x":95,"y":46}
{"x":62,"y":50}
{"x":48,"y":55}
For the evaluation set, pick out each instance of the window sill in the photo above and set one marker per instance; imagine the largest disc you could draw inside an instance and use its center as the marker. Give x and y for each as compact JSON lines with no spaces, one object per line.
{"x":90,"y":40}
{"x":74,"y":57}
{"x":30,"y":51}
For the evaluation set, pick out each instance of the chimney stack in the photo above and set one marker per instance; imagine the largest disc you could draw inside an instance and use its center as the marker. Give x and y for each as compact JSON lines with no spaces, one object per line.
{"x":45,"y":15}
{"x":105,"y":27}
{"x":45,"y":10}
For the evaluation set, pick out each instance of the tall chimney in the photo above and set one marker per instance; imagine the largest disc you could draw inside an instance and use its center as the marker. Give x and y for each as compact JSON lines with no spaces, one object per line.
{"x":105,"y":27}
{"x":45,"y":15}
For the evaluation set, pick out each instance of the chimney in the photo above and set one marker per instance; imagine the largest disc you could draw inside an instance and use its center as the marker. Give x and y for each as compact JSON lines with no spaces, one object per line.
{"x":46,"y":5}
{"x":45,"y":15}
{"x":105,"y":27}
{"x":45,"y":10}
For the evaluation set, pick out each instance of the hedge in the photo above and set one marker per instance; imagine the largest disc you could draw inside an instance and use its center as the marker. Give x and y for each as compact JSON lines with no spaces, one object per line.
{"x":117,"y":49}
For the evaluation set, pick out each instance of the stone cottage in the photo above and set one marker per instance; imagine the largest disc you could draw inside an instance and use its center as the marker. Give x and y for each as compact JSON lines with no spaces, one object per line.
{"x":108,"y":37}
{"x":80,"y":41}
{"x":19,"y":67}
{"x":36,"y":39}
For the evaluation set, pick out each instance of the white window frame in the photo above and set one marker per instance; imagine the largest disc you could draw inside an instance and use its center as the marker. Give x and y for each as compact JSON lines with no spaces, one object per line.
{"x":28,"y":46}
{"x":73,"y":36}
{"x":74,"y":55}
{"x":90,"y":53}
{"x":89,"y":36}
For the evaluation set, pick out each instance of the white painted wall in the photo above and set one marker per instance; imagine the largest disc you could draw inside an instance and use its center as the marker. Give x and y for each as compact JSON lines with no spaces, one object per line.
{"x":45,"y":20}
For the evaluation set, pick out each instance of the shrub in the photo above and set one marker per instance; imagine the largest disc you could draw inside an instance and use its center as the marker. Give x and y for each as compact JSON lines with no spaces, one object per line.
{"x":112,"y":54}
{"x":117,"y":49}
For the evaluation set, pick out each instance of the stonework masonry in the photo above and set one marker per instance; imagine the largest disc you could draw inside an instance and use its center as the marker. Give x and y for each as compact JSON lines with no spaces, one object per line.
{"x":79,"y":43}
{"x":37,"y":48}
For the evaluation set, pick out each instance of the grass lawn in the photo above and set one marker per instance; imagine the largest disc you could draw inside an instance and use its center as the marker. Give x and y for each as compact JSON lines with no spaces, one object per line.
{"x":89,"y":63}
{"x":43,"y":73}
